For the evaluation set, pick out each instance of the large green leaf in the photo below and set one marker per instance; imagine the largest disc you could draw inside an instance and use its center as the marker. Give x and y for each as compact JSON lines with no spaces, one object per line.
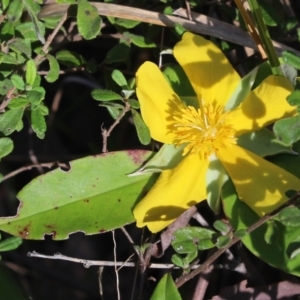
{"x":278,"y":251}
{"x":94,"y":196}
{"x":166,"y":289}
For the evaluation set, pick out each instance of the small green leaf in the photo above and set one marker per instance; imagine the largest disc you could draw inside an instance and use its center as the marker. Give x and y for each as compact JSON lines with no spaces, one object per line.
{"x":140,"y":40}
{"x":18,"y":82}
{"x":143,"y":131}
{"x":35,"y":97}
{"x":30,"y":72}
{"x":10,"y":119}
{"x":294,"y":98}
{"x":28,"y":31}
{"x":105,"y":95}
{"x":221,"y":226}
{"x":5,"y":86}
{"x":177,"y":260}
{"x":188,"y":239}
{"x":14,"y":11}
{"x":10,"y":243}
{"x":88,"y":20}
{"x":70,"y":59}
{"x":290,"y":216}
{"x":287,"y":131}
{"x":262,"y":143}
{"x":38,"y":123}
{"x":168,"y":157}
{"x":21,"y":46}
{"x":114,"y":109}
{"x":206,"y":244}
{"x":6,"y":146}
{"x":180,"y":30}
{"x":223,"y":241}
{"x":166,"y":289}
{"x":291,"y":59}
{"x":126,"y":23}
{"x":216,"y":176}
{"x":240,"y":233}
{"x":33,"y":9}
{"x":53,"y":73}
{"x":119,"y":79}
{"x":18,"y":103}
{"x":134,"y":103}
{"x":294,"y":253}
{"x":270,"y":232}
{"x":118,"y":53}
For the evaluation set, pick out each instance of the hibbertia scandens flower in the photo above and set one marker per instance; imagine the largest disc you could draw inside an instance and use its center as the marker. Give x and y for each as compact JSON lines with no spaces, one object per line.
{"x":209,"y":131}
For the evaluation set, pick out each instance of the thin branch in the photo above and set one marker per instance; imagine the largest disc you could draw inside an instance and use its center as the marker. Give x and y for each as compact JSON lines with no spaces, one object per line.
{"x":89,"y":263}
{"x":51,"y":37}
{"x":201,"y":24}
{"x":115,"y":261}
{"x":106,"y":133}
{"x":27,"y":168}
{"x":183,"y":279}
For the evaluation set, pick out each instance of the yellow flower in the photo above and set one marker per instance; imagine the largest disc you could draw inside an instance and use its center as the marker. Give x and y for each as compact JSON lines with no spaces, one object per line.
{"x":209,"y":132}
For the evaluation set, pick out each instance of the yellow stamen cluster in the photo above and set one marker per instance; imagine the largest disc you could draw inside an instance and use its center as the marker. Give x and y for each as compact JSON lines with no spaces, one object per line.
{"x":204,"y":130}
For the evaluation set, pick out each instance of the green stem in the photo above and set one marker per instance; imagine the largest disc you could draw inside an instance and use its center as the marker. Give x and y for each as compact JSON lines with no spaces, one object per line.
{"x":265,"y":37}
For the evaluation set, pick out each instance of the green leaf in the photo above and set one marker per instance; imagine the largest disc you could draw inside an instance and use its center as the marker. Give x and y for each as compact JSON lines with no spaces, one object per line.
{"x":134,"y":103}
{"x":21,"y":46}
{"x":118,"y":53}
{"x":143,"y":131}
{"x":223,"y":241}
{"x":28,"y":31}
{"x":294,"y":98}
{"x":269,"y":13}
{"x":5,"y":86}
{"x":38,"y":123}
{"x":70,"y":59}
{"x":6,"y":146}
{"x":287,"y":131}
{"x":18,"y":82}
{"x":18,"y":103}
{"x":126,"y":23}
{"x":290,"y":216}
{"x":242,"y":89}
{"x":291,"y":59}
{"x":178,"y":81}
{"x":242,"y":217}
{"x":10,"y":119}
{"x":188,"y":239}
{"x":139,"y":40}
{"x":216,"y":176}
{"x":88,"y":20}
{"x":35,"y":96}
{"x":270,"y":232}
{"x":30,"y":72}
{"x":114,"y":109}
{"x":241,"y":233}
{"x":92,"y":197}
{"x":166,"y":289}
{"x":178,"y":261}
{"x":221,"y":226}
{"x":168,"y":157}
{"x":262,"y":143}
{"x":15,"y":10}
{"x":10,"y":243}
{"x":33,"y":9}
{"x":119,"y":79}
{"x":53,"y":73}
{"x":105,"y":95}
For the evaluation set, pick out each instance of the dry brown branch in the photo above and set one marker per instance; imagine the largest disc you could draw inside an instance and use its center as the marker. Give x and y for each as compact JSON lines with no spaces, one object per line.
{"x":200,"y":23}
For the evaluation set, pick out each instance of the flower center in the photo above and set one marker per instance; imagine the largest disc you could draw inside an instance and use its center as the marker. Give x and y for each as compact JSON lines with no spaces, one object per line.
{"x":204,"y":130}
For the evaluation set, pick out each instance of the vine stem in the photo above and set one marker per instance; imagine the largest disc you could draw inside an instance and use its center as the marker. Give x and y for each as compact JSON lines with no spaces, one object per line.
{"x":183,"y":279}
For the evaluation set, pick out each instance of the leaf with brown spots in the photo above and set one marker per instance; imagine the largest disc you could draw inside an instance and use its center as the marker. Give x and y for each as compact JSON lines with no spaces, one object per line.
{"x":95,"y":195}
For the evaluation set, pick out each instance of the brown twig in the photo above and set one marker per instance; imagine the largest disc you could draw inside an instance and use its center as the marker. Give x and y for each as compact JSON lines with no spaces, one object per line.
{"x":27,"y":168}
{"x":200,"y":24}
{"x":183,"y":279}
{"x":106,"y":133}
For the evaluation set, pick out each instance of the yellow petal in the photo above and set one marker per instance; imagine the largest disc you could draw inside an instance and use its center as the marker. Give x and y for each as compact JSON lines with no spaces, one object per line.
{"x":175,"y":191}
{"x":259,"y":183}
{"x":264,"y":105}
{"x":211,"y":75}
{"x":157,"y":100}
